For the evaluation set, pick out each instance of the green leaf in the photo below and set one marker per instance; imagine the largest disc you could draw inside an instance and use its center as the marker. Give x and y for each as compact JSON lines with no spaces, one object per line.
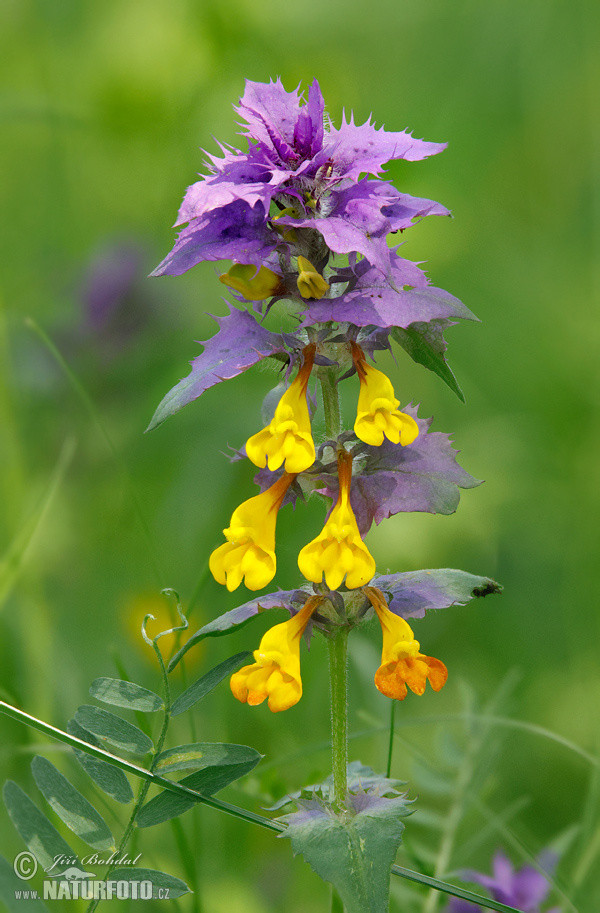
{"x":10,"y":886}
{"x":205,"y":685}
{"x":125,"y":694}
{"x":70,"y":806}
{"x":354,"y":852}
{"x":40,"y":836}
{"x":110,"y":728}
{"x":111,"y":780}
{"x":220,"y":765}
{"x":164,"y":887}
{"x":425,"y":344}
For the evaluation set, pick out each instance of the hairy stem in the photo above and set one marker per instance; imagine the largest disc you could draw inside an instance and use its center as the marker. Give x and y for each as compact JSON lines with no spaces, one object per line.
{"x":338,"y":673}
{"x":331,"y":403}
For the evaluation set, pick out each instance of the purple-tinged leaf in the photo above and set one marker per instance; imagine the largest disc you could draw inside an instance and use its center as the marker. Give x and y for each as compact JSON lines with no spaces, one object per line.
{"x":363,"y":149}
{"x":353,"y":851}
{"x":413,"y":593}
{"x":372,"y":301}
{"x":405,"y":208}
{"x":240,"y":343}
{"x":236,"y":231}
{"x":240,"y":616}
{"x":390,"y":479}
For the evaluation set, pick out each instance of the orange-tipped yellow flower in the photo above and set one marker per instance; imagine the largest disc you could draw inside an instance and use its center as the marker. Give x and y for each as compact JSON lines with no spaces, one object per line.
{"x":249,"y":552}
{"x":339,"y":550}
{"x":377,"y":414}
{"x":401,"y":662}
{"x":276,"y":672}
{"x":310,"y":282}
{"x":253,"y":284}
{"x":288,"y":436}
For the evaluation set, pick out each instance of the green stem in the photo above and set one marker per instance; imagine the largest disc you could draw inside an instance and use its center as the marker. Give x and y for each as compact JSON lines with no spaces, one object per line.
{"x":145,"y":784}
{"x":141,"y":772}
{"x":331,"y":403}
{"x":391,"y":744}
{"x":338,"y":673}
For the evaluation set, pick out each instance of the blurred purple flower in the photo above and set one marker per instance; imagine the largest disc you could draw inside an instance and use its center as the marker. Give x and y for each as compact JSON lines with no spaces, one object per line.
{"x":524,"y":889}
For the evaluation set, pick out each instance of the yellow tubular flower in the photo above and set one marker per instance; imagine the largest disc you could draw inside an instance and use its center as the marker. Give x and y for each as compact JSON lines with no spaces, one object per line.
{"x":377,"y":414}
{"x":253,"y":284}
{"x":288,"y":437}
{"x":276,"y":672}
{"x":310,"y":282}
{"x":339,"y":550}
{"x":250,"y":548}
{"x":401,"y":662}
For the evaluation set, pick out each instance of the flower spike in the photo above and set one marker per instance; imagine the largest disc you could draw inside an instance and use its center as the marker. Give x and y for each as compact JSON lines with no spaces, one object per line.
{"x":276,"y":672}
{"x":288,"y":437}
{"x":250,"y":548}
{"x":339,"y":550}
{"x":377,"y":414}
{"x":401,"y":662}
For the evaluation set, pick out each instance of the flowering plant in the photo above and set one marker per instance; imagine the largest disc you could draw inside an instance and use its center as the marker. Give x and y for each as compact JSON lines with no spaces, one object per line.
{"x":305,"y":217}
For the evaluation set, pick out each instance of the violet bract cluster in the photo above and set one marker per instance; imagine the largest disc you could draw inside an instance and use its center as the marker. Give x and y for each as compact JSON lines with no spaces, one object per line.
{"x":306,"y":219}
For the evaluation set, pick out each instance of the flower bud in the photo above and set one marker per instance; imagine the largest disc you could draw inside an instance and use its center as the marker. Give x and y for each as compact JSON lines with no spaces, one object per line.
{"x":252,"y":284}
{"x":310,"y":283}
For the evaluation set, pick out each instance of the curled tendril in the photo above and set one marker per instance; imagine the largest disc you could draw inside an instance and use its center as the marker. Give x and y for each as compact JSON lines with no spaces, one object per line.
{"x":149,"y":617}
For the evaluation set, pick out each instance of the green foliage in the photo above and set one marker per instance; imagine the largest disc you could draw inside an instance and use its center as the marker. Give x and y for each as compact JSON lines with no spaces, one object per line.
{"x":427,"y":348}
{"x":40,"y":836}
{"x":353,"y":850}
{"x":10,"y":889}
{"x":219,"y":765}
{"x":125,"y":694}
{"x":110,"y":779}
{"x":165,"y":887}
{"x":207,"y":682}
{"x":70,"y":806}
{"x":110,"y":728}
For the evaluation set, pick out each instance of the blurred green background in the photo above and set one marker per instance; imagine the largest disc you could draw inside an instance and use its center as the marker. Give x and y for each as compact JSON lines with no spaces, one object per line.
{"x":104,"y":107}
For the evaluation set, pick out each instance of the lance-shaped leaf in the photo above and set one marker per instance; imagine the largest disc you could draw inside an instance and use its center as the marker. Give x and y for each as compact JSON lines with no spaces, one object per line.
{"x":207,"y":682}
{"x":425,"y":344}
{"x":110,"y":779}
{"x":374,"y":300}
{"x":13,"y":896}
{"x":390,"y":479}
{"x":70,"y":806}
{"x":241,"y":616}
{"x":219,"y":766}
{"x":121,"y":693}
{"x":240,"y":343}
{"x":40,"y":836}
{"x":110,"y":728}
{"x":164,"y":886}
{"x":355,"y":852}
{"x":411,"y":594}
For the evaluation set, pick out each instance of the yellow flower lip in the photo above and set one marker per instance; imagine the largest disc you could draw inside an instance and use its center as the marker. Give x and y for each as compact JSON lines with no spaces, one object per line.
{"x":249,"y":553}
{"x":402,"y":663}
{"x":252,"y":283}
{"x":310,"y":282}
{"x":288,"y":437}
{"x":377,"y":413}
{"x":275,"y":674}
{"x":338,"y":552}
